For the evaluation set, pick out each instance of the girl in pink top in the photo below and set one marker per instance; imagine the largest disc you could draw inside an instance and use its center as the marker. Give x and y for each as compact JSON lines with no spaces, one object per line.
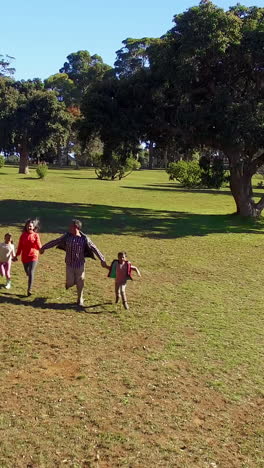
{"x":121,"y":269}
{"x":29,"y":246}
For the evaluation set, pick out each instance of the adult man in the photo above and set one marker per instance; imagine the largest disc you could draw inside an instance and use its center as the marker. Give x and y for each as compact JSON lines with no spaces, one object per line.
{"x":77,"y":246}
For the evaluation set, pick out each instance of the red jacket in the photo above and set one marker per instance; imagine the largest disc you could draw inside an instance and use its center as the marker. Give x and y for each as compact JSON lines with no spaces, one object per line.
{"x":29,"y":246}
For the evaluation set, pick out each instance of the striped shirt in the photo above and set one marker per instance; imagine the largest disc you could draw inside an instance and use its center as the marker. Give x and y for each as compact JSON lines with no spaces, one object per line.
{"x":75,"y":246}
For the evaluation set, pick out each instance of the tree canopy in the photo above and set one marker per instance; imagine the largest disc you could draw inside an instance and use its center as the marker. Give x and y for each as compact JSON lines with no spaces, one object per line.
{"x":198,"y":87}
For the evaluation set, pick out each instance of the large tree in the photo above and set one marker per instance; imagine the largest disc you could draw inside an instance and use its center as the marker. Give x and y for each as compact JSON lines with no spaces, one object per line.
{"x":84,"y":69}
{"x":210,"y":72}
{"x":32,"y":120}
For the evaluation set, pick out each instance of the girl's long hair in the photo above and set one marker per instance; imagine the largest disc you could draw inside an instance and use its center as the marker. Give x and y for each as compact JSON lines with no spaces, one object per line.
{"x":35,"y":223}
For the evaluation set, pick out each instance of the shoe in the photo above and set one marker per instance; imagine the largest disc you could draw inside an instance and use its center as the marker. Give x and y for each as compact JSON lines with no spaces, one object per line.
{"x":8,"y":284}
{"x":80,"y":302}
{"x":126,"y":306}
{"x":117,"y":299}
{"x":29,"y":293}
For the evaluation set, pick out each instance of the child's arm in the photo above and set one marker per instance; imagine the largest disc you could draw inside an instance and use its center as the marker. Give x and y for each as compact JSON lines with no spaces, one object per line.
{"x":19,"y":248}
{"x":13,"y":253}
{"x":134,"y":268}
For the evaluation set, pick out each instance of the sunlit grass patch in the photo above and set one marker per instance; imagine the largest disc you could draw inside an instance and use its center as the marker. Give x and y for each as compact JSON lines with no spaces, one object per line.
{"x":175,"y":380}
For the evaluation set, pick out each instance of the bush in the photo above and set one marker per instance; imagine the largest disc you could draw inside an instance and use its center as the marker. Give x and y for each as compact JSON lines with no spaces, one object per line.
{"x":117,"y":169}
{"x":187,"y":173}
{"x":213,"y":172}
{"x":42,"y":170}
{"x":12,"y":159}
{"x":2,"y":160}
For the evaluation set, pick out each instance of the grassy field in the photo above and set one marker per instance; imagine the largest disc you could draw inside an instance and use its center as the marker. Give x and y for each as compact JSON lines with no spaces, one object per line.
{"x":176,"y":381}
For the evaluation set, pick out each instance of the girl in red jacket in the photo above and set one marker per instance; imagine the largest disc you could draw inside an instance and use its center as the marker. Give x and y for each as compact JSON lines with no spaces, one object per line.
{"x":29,"y":246}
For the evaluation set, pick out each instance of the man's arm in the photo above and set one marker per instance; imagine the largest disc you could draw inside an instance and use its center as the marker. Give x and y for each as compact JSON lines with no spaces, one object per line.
{"x":97,"y":252}
{"x":51,"y":244}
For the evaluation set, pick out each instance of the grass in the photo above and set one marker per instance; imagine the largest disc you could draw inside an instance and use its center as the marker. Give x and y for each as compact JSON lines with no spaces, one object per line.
{"x":177,"y":380}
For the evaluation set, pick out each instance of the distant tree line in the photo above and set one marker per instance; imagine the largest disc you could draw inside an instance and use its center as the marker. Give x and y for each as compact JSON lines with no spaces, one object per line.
{"x":198,"y":88}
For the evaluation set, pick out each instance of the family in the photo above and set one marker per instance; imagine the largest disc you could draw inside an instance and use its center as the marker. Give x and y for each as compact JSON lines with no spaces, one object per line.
{"x":77,"y":246}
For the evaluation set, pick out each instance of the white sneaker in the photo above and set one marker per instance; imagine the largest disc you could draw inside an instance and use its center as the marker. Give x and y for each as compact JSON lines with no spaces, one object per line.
{"x":8,"y":284}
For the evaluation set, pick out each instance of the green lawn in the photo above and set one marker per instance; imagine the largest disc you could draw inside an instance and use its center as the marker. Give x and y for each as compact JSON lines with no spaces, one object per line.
{"x":176,"y":381}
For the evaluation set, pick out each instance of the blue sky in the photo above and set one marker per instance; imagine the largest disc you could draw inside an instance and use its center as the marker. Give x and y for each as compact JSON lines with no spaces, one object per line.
{"x":40,"y":35}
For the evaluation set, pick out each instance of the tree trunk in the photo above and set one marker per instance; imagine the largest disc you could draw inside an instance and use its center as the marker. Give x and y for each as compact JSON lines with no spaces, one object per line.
{"x":166,"y":157}
{"x":59,"y":155}
{"x":241,"y":189}
{"x":151,"y":151}
{"x":24,"y":160}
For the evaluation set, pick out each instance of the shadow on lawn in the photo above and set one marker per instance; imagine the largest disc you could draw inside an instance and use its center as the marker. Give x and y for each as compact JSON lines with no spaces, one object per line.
{"x":176,"y":188}
{"x":42,"y":303}
{"x":104,"y":219}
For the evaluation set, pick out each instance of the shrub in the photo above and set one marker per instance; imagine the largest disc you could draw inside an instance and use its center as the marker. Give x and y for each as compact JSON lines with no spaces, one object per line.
{"x":187,"y":173}
{"x":116,"y":169}
{"x":12,"y":159}
{"x":42,"y":170}
{"x":2,"y":160}
{"x":212,"y":172}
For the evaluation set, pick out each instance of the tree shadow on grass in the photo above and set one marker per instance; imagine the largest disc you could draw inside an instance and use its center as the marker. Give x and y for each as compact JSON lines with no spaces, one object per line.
{"x":104,"y":219}
{"x":81,"y":178}
{"x":43,"y":303}
{"x":176,"y":188}
{"x":31,"y":178}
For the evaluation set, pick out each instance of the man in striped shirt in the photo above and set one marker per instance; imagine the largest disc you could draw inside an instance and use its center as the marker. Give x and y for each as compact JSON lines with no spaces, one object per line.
{"x":76,"y":245}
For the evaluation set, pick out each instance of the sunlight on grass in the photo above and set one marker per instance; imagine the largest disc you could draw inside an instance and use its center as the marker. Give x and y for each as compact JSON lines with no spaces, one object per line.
{"x":175,"y":381}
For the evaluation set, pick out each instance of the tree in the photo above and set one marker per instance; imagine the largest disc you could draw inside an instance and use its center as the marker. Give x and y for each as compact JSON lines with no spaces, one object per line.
{"x":83,"y":70}
{"x":116,"y":168}
{"x":64,"y":88}
{"x":5,"y":68}
{"x":133,"y":56}
{"x":210,"y":73}
{"x":32,"y":120}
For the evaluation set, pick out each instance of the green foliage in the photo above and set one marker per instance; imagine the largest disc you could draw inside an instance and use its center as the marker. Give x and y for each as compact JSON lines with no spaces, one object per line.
{"x":5,"y":68}
{"x":210,"y":73}
{"x":42,"y":170}
{"x":133,"y":56}
{"x":187,"y":173}
{"x":2,"y":160}
{"x":64,"y":88}
{"x":32,"y":120}
{"x":132,"y":164}
{"x":83,"y":70}
{"x":116,"y":169}
{"x":12,"y":159}
{"x":212,"y":171}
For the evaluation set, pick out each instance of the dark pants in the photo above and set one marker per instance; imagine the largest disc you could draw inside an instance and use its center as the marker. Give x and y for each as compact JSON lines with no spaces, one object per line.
{"x":30,"y":268}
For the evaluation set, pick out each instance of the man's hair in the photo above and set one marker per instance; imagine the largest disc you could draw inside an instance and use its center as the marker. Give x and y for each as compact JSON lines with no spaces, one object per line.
{"x":77,"y":223}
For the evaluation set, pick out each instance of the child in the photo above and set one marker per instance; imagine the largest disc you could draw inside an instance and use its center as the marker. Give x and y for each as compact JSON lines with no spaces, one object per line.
{"x":121,"y":269}
{"x":7,"y":254}
{"x":29,"y":246}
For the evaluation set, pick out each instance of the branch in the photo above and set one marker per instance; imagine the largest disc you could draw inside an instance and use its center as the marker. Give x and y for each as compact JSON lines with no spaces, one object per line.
{"x":260,"y":204}
{"x":258,"y":162}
